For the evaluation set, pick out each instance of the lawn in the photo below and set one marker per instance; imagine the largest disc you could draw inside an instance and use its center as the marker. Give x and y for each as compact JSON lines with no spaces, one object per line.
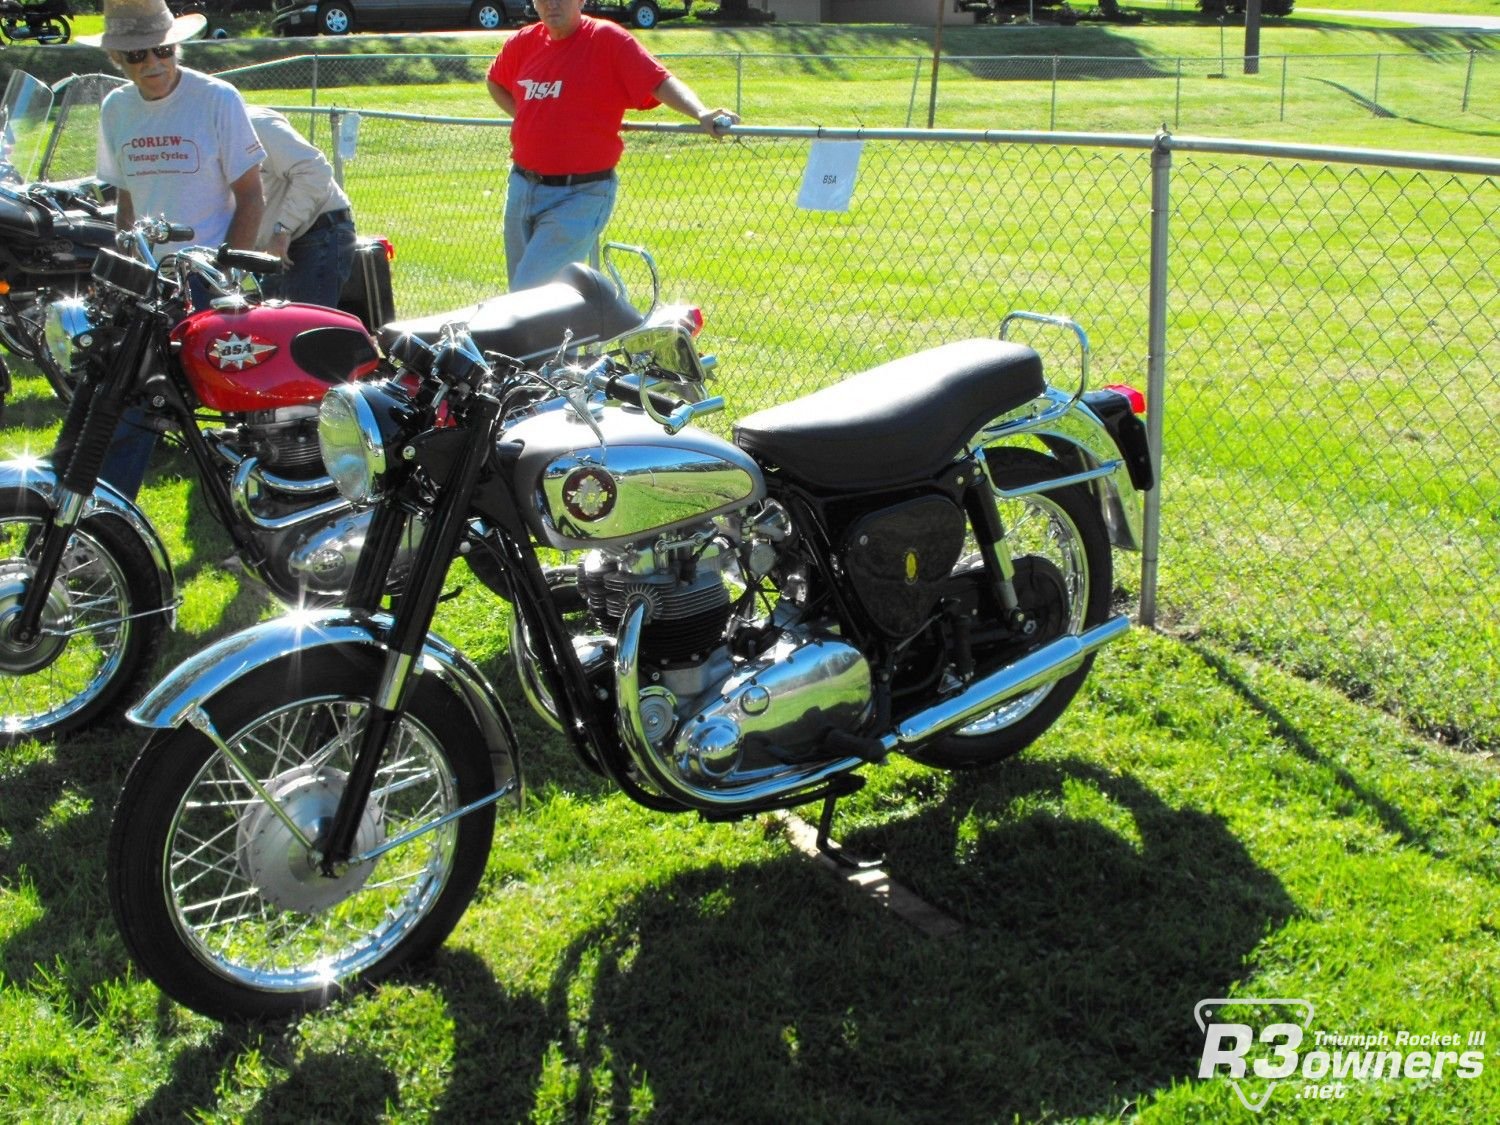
{"x":1245,"y":807}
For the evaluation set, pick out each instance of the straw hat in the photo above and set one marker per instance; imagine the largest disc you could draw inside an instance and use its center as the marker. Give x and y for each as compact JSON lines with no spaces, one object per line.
{"x":134,"y":25}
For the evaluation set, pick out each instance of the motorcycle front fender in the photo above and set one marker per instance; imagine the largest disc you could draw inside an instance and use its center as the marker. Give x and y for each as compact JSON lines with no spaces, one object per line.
{"x":40,"y":478}
{"x":303,"y":634}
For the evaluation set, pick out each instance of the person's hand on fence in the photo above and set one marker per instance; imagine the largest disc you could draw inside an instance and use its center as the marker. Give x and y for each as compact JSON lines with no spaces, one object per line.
{"x":716,"y":122}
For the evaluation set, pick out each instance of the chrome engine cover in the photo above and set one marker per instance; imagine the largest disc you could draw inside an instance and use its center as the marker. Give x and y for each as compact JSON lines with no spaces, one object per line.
{"x":323,"y":561}
{"x":776,"y":707}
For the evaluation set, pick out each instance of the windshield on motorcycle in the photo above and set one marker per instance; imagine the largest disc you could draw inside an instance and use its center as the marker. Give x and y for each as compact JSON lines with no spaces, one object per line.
{"x":23,"y":126}
{"x":72,"y":148}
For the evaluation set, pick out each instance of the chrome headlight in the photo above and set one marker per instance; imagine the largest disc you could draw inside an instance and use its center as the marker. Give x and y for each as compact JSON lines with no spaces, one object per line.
{"x":67,"y":318}
{"x":360,"y":425}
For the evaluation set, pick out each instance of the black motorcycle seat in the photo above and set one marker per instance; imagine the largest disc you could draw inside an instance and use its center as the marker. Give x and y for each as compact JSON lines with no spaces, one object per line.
{"x":21,"y":219}
{"x":530,"y":323}
{"x":897,"y":423}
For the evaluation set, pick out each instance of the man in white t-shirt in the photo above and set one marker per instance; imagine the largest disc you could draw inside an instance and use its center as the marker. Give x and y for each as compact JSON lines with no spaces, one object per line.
{"x":178,"y":144}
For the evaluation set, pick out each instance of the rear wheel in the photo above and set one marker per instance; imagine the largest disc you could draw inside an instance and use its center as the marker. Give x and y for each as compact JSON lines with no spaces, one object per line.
{"x":335,"y":17}
{"x":1060,"y":547}
{"x":644,"y":14}
{"x":92,"y":649}
{"x":215,"y":897}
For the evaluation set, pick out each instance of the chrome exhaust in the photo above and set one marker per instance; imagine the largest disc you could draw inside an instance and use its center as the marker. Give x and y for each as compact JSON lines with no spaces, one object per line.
{"x":1050,"y":663}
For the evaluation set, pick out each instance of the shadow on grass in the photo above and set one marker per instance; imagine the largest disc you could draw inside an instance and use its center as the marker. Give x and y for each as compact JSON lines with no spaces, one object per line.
{"x":1069,"y":991}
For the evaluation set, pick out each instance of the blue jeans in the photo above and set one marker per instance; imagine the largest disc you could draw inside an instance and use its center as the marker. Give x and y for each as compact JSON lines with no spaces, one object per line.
{"x":546,"y":228}
{"x":321,"y":261}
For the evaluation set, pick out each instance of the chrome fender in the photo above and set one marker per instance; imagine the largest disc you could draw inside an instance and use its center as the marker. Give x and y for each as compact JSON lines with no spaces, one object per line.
{"x":1079,"y":430}
{"x":200,"y":677}
{"x":40,"y":477}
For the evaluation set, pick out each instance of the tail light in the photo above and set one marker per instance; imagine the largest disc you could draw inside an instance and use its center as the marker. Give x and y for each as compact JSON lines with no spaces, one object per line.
{"x":693,"y":317}
{"x":390,"y":247}
{"x":1136,"y":399}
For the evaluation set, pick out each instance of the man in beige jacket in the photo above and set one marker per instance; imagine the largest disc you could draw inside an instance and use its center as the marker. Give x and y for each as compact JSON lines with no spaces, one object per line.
{"x":308,"y":222}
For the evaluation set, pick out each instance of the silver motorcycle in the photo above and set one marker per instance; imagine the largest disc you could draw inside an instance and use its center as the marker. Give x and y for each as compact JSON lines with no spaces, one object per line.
{"x":916,"y":561}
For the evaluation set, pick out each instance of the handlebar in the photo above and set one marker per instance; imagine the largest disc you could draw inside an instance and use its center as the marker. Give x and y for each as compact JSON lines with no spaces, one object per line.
{"x":669,"y":413}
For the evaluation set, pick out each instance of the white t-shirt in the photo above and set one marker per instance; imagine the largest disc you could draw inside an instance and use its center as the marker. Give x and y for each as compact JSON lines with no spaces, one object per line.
{"x":178,"y":155}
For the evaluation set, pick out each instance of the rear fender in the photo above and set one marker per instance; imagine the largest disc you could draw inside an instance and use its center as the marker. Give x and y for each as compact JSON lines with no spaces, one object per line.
{"x":194,"y":682}
{"x":1080,"y":440}
{"x":40,"y":477}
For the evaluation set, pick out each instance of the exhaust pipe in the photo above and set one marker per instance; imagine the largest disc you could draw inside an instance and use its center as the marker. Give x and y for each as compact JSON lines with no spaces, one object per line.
{"x":1051,"y":662}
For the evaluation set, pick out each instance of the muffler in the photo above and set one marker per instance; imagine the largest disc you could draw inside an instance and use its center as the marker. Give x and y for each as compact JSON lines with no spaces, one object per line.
{"x":1051,"y":662}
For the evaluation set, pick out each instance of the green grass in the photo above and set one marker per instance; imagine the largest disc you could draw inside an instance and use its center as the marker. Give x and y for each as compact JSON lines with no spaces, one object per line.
{"x":1246,"y":808}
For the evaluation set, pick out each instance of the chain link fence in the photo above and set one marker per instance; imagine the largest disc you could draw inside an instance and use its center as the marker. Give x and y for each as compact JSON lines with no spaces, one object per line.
{"x":1329,"y":342}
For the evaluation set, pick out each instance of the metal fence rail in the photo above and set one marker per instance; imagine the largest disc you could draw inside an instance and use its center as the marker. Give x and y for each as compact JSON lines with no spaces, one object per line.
{"x":1018,"y":91}
{"x":1329,"y":333}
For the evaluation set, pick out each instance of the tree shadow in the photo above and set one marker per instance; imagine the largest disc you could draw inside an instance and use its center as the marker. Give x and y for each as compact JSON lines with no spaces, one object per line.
{"x":1068,"y":992}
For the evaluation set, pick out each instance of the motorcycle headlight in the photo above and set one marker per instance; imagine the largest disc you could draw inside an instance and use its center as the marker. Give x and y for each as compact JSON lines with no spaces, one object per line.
{"x":66,"y":319}
{"x":360,"y":428}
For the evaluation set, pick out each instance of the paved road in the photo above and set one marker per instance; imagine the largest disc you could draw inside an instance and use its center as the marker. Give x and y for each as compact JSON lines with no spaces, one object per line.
{"x":1420,"y":19}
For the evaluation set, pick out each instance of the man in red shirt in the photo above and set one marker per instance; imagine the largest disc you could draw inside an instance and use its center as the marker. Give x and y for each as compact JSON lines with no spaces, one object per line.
{"x":566,"y":83}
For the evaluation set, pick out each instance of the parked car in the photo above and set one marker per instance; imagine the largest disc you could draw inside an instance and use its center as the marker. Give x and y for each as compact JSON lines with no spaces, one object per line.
{"x":340,"y":17}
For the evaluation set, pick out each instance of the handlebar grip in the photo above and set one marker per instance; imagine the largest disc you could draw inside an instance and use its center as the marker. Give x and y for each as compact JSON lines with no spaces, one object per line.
{"x":176,"y":232}
{"x":252,"y":260}
{"x":616,"y":387}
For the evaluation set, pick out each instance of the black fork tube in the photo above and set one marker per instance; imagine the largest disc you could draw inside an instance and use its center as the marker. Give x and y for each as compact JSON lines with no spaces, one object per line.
{"x":88,"y":431}
{"x":409,"y":630}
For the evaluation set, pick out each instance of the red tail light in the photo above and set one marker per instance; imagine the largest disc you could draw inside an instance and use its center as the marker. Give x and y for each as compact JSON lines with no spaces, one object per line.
{"x":1136,"y":399}
{"x":390,"y":247}
{"x":694,"y":319}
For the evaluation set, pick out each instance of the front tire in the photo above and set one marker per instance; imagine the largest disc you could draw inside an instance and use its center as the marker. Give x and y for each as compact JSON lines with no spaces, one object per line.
{"x":92,"y":651}
{"x":1060,"y":546}
{"x":216,"y":901}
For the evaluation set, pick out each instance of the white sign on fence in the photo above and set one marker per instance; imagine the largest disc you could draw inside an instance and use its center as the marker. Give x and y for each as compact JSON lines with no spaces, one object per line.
{"x":828,"y":183}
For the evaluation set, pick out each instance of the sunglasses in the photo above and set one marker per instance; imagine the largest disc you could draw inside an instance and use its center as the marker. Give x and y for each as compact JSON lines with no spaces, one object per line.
{"x":135,"y":58}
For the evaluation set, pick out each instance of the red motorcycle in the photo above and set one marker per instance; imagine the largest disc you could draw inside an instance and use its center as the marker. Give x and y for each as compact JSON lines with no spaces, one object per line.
{"x":86,"y":586}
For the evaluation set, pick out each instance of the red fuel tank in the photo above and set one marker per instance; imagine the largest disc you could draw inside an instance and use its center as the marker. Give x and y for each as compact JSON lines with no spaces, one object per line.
{"x":263,"y":357}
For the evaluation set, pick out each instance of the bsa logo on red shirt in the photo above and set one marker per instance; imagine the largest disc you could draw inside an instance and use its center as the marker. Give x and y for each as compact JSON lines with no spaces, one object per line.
{"x":536,"y":91}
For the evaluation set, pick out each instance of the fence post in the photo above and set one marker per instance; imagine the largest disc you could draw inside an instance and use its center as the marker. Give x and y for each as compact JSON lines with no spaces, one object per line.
{"x":1177,"y":101}
{"x":1468,"y":82}
{"x":1156,"y":369}
{"x":1281,"y":116}
{"x":916,"y":80}
{"x":1376,"y":98}
{"x":312,"y":125}
{"x":335,"y":118}
{"x":739,"y":82}
{"x":1052,"y":123}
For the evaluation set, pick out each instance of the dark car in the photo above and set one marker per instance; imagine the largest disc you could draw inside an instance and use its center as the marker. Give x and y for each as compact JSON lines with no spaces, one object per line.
{"x":340,"y":17}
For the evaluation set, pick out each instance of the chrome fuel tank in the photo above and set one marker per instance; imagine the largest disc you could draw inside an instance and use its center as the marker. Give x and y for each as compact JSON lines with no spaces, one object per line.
{"x":578,"y":493}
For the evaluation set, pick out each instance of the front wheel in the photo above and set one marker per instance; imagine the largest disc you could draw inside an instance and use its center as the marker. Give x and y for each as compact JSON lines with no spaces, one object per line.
{"x":100,"y":628}
{"x":220,"y":904}
{"x":1060,"y":548}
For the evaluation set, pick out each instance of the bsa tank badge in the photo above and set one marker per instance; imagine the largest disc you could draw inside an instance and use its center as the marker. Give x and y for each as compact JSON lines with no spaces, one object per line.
{"x":589,"y":493}
{"x":235,"y":353}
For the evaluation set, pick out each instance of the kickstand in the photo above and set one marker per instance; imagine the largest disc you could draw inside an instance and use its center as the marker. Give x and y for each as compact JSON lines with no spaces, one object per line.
{"x":831,"y":850}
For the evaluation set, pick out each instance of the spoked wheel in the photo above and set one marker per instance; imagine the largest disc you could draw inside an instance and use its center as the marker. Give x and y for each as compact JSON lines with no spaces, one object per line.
{"x":93,"y":647}
{"x":1060,"y":547}
{"x":219,"y":901}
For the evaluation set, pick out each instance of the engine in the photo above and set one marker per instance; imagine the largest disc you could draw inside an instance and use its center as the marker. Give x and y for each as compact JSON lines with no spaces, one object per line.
{"x":284,"y":441}
{"x":723,"y":697}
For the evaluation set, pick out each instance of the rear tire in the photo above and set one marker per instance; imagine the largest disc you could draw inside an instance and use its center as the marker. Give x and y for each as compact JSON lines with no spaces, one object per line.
{"x":58,"y":684}
{"x":1063,"y":534}
{"x":487,"y":15}
{"x":644,"y":14}
{"x":221,"y":907}
{"x":335,"y":18}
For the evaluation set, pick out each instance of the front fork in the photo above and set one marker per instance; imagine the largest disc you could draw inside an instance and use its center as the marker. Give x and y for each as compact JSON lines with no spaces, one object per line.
{"x":409,"y":630}
{"x":81,"y":447}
